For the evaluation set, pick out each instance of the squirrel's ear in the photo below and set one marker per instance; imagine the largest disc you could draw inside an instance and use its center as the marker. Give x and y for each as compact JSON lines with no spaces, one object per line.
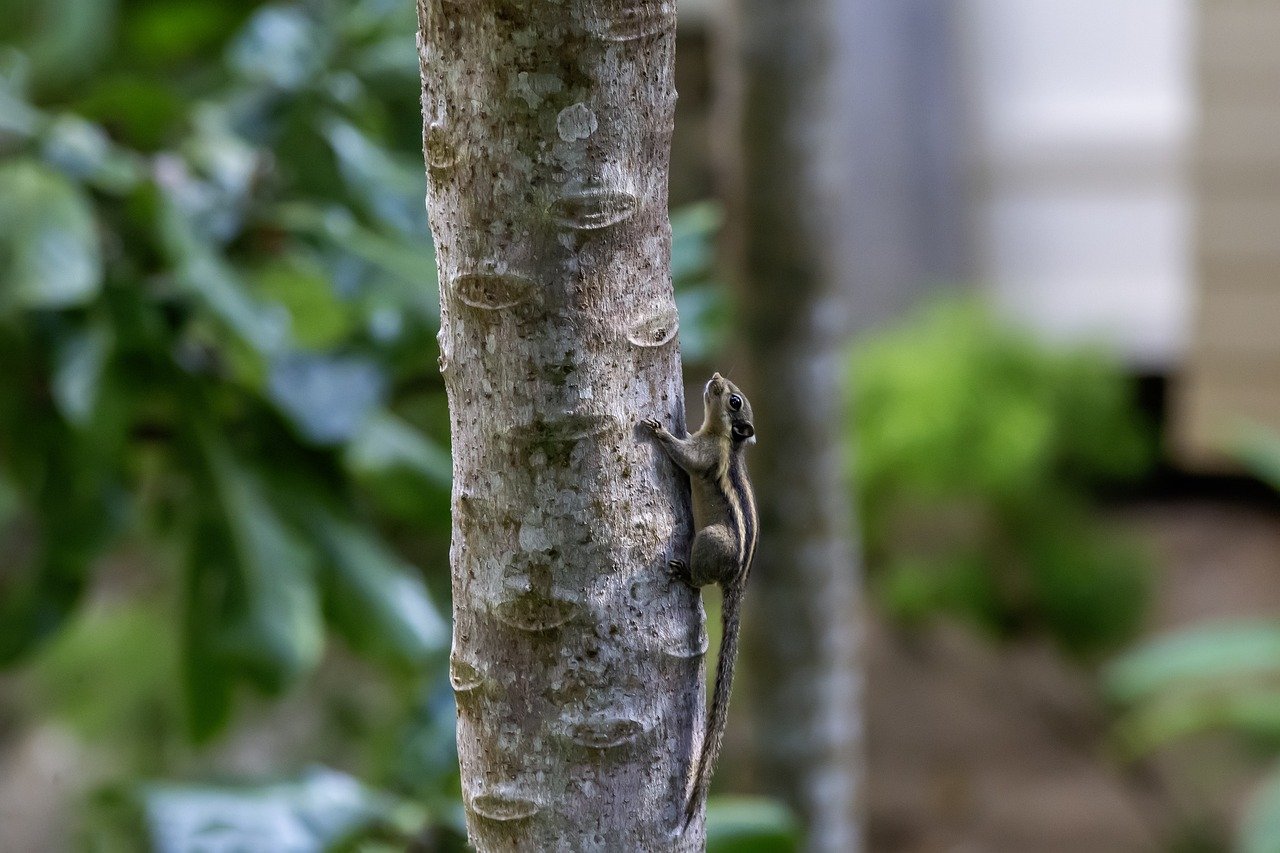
{"x":743,"y":429}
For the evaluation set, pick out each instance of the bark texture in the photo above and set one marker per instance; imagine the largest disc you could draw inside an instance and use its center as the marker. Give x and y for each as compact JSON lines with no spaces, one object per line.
{"x":576,"y":660}
{"x":784,"y":68}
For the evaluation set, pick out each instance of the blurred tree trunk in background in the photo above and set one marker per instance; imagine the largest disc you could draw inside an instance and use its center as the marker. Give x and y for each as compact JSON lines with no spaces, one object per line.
{"x":784,"y":76}
{"x":575,"y":659}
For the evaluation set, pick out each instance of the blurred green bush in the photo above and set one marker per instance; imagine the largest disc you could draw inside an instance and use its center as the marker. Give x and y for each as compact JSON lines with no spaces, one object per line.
{"x":975,"y":452}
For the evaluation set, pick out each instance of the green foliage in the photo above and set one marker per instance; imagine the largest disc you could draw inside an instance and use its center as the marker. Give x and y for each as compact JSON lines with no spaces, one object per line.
{"x":323,"y":810}
{"x":205,"y":329}
{"x":1216,"y":677}
{"x":109,"y":674}
{"x":1222,"y":677}
{"x":1213,"y":678}
{"x":975,"y":449}
{"x":750,"y":825}
{"x":51,"y":258}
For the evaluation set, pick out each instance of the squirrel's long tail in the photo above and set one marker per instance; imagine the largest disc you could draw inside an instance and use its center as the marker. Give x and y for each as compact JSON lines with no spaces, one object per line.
{"x":713,"y":737}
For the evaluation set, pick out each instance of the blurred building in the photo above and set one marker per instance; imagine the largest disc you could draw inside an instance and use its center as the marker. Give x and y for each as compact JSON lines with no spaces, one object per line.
{"x":1080,"y":119}
{"x":1106,"y":172}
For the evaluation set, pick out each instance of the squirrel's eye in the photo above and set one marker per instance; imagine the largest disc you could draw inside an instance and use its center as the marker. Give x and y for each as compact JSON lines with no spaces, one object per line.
{"x":735,"y":402}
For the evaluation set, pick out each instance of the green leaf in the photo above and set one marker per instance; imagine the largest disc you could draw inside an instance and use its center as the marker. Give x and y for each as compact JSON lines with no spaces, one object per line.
{"x":406,"y":473}
{"x":220,"y":288}
{"x":162,"y":34}
{"x":50,"y":256}
{"x":35,"y":608}
{"x":202,"y":272}
{"x":64,"y":38}
{"x":391,"y":189}
{"x":78,"y":368}
{"x":327,"y":397}
{"x":396,"y":55}
{"x":1249,"y":711}
{"x":217,"y":153}
{"x":81,"y":150}
{"x":208,"y":675}
{"x":1260,"y":826}
{"x":378,"y":600}
{"x":750,"y":825}
{"x":386,"y":443}
{"x":318,"y":319}
{"x":74,"y":508}
{"x":17,"y":117}
{"x":311,"y":814}
{"x":280,"y":635}
{"x":411,"y":263}
{"x":280,"y":46}
{"x":1194,"y":658}
{"x":144,"y":112}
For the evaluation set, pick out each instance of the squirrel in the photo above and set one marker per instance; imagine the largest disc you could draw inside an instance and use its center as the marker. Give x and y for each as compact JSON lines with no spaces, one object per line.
{"x":724,"y":510}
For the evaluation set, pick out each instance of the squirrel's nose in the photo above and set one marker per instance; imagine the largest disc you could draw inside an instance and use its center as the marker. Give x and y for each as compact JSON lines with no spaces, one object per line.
{"x":716,"y":376}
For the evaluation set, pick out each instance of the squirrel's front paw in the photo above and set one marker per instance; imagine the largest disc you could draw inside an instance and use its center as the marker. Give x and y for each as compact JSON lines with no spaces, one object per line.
{"x":652,"y":424}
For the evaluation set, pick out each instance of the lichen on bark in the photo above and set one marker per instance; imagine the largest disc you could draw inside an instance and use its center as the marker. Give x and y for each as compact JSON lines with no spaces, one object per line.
{"x":576,"y":659}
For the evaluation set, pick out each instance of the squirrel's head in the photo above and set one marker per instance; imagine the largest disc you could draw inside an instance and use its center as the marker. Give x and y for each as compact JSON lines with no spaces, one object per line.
{"x":728,"y":411}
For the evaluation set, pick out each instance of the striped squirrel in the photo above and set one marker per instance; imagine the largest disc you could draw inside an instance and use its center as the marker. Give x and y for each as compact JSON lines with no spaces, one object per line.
{"x":724,"y":511}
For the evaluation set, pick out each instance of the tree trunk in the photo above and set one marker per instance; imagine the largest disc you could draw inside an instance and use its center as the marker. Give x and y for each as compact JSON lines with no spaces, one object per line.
{"x":787,"y":173}
{"x":576,"y":660}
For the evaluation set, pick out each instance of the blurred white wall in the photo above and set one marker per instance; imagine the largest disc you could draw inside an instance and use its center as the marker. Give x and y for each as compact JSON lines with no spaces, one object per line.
{"x":1080,"y":118}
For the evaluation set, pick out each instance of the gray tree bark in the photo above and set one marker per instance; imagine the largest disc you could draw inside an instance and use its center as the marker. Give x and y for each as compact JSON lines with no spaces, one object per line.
{"x":576,"y":659}
{"x":784,"y":68}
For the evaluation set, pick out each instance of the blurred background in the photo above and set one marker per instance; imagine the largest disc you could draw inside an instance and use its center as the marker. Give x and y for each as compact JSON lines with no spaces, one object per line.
{"x":224,"y":465}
